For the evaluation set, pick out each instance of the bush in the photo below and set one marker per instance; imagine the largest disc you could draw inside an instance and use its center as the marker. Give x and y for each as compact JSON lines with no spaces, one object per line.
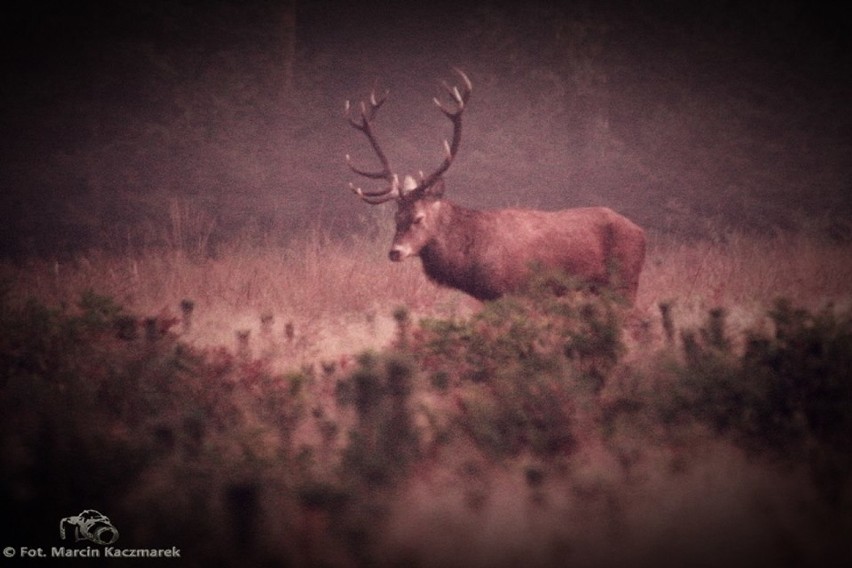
{"x":522,"y":361}
{"x":209,"y":450}
{"x":384,"y":441}
{"x":150,"y":431}
{"x":787,"y":395}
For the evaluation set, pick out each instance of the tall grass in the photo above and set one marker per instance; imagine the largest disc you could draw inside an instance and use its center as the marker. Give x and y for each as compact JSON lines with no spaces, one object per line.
{"x":747,"y":269}
{"x":319,"y":282}
{"x":337,"y":293}
{"x":744,"y":274}
{"x":311,"y":274}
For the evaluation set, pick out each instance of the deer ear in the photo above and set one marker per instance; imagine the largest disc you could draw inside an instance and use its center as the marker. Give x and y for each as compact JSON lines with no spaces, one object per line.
{"x":436,"y":191}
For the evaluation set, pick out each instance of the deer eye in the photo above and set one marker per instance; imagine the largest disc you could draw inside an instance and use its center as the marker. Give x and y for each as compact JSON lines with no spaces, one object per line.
{"x":417,"y":219}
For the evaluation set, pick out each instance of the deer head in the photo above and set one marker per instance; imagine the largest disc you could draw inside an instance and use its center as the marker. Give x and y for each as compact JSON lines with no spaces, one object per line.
{"x":418,"y":200}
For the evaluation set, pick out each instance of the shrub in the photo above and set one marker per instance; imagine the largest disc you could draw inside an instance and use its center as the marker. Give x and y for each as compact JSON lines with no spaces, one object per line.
{"x":522,"y":361}
{"x":384,"y":441}
{"x":787,"y":395}
{"x":122,"y":419}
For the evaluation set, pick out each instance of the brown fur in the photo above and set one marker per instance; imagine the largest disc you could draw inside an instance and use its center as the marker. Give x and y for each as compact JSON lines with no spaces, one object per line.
{"x":490,"y":253}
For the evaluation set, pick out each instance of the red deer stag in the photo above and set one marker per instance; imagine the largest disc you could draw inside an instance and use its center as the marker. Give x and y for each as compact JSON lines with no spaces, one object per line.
{"x":490,"y":253}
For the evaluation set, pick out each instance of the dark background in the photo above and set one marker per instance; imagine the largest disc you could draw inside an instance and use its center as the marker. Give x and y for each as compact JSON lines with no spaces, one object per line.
{"x":692,"y":119}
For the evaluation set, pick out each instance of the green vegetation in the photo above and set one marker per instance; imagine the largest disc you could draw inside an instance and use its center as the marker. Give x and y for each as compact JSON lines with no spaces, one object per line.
{"x":235,"y":463}
{"x":787,"y":395}
{"x":521,"y":362}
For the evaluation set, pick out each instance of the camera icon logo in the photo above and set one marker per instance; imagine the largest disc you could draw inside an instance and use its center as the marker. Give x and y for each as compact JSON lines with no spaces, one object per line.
{"x":89,"y":525}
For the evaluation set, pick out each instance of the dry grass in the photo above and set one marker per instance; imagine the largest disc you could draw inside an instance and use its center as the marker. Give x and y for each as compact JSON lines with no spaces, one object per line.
{"x":744,"y":275}
{"x":312,"y":276}
{"x":338,"y":294}
{"x":747,"y":270}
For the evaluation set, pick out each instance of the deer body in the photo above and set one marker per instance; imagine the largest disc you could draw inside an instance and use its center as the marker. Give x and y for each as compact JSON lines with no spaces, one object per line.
{"x":491,"y":253}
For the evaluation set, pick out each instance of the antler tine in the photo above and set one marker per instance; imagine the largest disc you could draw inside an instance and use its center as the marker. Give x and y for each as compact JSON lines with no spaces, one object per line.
{"x":368,"y":113}
{"x":460,"y":97}
{"x":378,"y":197}
{"x":360,"y":172}
{"x":468,"y":84}
{"x":377,"y":103}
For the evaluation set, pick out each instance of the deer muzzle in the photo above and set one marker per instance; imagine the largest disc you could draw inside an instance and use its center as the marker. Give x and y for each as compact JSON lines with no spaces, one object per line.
{"x":400,"y":252}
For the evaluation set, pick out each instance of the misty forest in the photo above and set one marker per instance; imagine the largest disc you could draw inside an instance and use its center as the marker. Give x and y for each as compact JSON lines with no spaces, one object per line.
{"x":203,"y":338}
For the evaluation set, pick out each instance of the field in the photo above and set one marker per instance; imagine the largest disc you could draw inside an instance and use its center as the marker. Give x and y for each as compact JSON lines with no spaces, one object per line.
{"x":313,"y":404}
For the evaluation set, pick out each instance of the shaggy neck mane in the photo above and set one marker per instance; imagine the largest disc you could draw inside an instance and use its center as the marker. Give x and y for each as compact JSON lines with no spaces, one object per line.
{"x":448,"y":259}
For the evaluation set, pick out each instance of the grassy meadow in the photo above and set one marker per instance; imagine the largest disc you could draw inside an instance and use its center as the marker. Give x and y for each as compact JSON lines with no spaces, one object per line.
{"x":313,"y":404}
{"x":340,"y":293}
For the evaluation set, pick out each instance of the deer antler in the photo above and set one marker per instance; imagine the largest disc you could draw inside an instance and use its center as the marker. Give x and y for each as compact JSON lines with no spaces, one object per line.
{"x":460,"y":99}
{"x":409,"y":187}
{"x":368,"y":112}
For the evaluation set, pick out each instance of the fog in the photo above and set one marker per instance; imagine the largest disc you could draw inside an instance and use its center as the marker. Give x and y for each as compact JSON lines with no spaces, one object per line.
{"x":691,"y":121}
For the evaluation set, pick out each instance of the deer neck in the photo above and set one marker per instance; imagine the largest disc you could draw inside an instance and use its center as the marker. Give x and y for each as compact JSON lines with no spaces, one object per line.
{"x":456,"y":228}
{"x":449,"y":258}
